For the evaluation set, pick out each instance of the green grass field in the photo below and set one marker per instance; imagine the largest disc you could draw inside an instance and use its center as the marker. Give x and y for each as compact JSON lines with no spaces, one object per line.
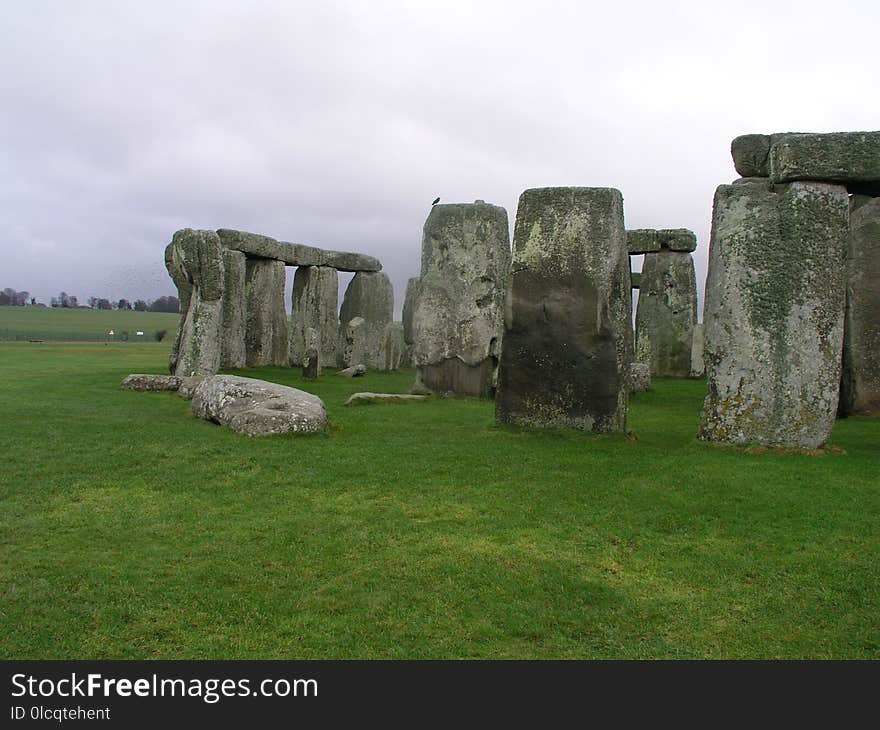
{"x":39,"y":323}
{"x":130,"y":529}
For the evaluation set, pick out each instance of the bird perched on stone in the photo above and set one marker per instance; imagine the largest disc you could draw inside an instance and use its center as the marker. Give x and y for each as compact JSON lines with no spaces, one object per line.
{"x":436,"y":200}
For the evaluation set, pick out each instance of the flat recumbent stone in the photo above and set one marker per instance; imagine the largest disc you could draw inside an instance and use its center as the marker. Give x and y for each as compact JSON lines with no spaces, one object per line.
{"x":256,"y":407}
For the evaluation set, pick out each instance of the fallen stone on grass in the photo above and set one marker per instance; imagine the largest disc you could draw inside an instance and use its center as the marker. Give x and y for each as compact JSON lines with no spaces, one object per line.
{"x":366,"y":399}
{"x":355,"y":371}
{"x":257,"y":408}
{"x":141,"y":381}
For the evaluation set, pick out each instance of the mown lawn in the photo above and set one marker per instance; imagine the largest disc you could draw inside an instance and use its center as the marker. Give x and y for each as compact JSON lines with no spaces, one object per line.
{"x":129,"y":529}
{"x":47,"y":323}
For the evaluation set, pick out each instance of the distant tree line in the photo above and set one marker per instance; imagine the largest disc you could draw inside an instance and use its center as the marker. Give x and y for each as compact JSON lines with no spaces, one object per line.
{"x":12,"y":298}
{"x":162,"y":304}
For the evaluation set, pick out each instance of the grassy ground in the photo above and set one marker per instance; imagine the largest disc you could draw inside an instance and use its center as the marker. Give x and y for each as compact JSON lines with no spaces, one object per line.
{"x":128,"y":529}
{"x":47,"y":323}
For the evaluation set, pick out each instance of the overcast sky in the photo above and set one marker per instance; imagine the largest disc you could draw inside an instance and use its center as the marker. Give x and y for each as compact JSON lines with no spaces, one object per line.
{"x":337,"y":123}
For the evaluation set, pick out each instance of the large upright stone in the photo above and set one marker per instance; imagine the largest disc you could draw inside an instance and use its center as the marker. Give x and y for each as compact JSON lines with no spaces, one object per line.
{"x":774,"y":313}
{"x":369,"y":296}
{"x":315,"y":306}
{"x":458,"y":308}
{"x":394,"y":351}
{"x":851,"y":158}
{"x":195,"y":262}
{"x":860,"y":381}
{"x":567,"y":344}
{"x":266,"y":318}
{"x":698,"y":364}
{"x":409,"y":303}
{"x":666,"y":313}
{"x":233,"y":352}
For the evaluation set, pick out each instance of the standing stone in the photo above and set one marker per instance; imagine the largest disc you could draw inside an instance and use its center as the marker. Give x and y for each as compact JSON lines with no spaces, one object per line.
{"x":409,"y":303}
{"x":195,"y":262}
{"x":394,"y":351}
{"x":639,"y":377}
{"x":666,"y":313}
{"x":311,"y":367}
{"x":567,"y":343}
{"x":266,"y":318}
{"x":233,"y":353}
{"x":315,"y":306}
{"x":458,"y":307}
{"x":774,"y":313}
{"x":370,"y":297}
{"x":353,"y":344}
{"x":698,"y":366}
{"x":860,"y":380}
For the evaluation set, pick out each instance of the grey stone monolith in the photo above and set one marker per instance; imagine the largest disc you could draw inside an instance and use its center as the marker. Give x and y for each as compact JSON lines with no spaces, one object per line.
{"x":639,"y":377}
{"x":353,"y":343}
{"x":195,"y":262}
{"x":409,"y":302}
{"x":458,"y":307}
{"x":265,"y":315}
{"x":233,"y":351}
{"x":774,"y":311}
{"x":666,"y":313}
{"x":698,"y":366}
{"x":315,"y":302}
{"x":860,"y":379}
{"x":370,"y":297}
{"x":394,"y":350}
{"x":567,"y":345}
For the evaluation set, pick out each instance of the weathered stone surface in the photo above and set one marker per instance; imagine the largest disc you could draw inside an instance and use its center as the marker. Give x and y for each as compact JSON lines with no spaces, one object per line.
{"x":774,"y":314}
{"x":750,"y":154}
{"x":453,"y":377}
{"x":188,"y":386}
{"x":567,"y":343}
{"x":677,"y":239}
{"x":195,"y":262}
{"x":355,"y":371}
{"x":860,"y":379}
{"x":370,"y":297}
{"x":698,"y":365}
{"x":666,"y":313}
{"x":141,"y":381}
{"x":642,"y":240}
{"x":311,"y":367}
{"x":296,"y":254}
{"x":409,"y":303}
{"x":650,"y":240}
{"x":639,"y":377}
{"x":315,"y":306}
{"x":353,"y":345}
{"x":265,"y":316}
{"x":233,"y":352}
{"x":394,"y":351}
{"x":458,"y":306}
{"x":369,"y":399}
{"x":258,"y":408}
{"x":635,"y":279}
{"x":852,"y":158}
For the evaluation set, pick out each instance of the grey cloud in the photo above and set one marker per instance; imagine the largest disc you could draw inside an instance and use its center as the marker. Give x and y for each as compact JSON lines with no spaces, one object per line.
{"x":336,"y":124}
